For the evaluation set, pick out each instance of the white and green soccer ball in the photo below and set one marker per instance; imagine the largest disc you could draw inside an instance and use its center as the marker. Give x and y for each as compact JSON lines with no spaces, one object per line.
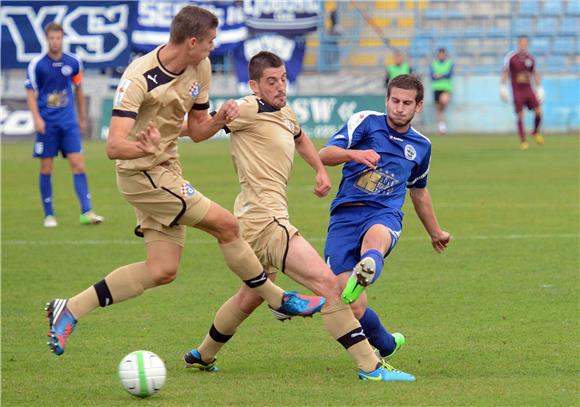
{"x":142,"y":373}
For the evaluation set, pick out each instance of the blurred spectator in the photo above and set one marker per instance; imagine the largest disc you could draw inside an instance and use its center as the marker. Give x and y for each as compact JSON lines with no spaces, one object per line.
{"x":399,"y":67}
{"x":442,"y":85}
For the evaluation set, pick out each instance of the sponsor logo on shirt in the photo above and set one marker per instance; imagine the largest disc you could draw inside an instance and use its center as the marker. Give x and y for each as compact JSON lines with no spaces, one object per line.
{"x":410,"y":152}
{"x":377,"y":182}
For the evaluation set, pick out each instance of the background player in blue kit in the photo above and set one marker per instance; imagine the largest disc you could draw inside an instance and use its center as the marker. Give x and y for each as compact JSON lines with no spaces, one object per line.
{"x":383,"y":156}
{"x":49,"y":93}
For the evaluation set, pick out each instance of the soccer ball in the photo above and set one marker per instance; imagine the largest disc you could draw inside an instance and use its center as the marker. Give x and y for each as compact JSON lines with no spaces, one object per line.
{"x":142,"y":373}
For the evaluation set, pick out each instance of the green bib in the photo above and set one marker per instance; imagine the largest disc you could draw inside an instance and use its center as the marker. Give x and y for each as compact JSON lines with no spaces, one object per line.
{"x":398,"y":70}
{"x":442,"y":68}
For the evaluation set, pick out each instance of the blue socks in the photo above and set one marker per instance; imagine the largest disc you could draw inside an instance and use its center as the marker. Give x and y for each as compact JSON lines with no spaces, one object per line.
{"x":376,"y":333}
{"x":377,"y":256}
{"x":45,"y":184}
{"x":82,"y":190}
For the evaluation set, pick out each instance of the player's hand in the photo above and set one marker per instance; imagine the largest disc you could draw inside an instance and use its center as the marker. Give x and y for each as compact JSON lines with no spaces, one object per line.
{"x":503,"y":93}
{"x":440,"y":241}
{"x":83,"y":125}
{"x":370,"y":158}
{"x":39,"y":125}
{"x":228,"y":112}
{"x":323,"y":184}
{"x":148,"y":140}
{"x":540,"y":94}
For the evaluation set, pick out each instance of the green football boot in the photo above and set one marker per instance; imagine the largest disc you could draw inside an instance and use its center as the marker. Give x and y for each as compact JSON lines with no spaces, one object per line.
{"x":361,"y":277}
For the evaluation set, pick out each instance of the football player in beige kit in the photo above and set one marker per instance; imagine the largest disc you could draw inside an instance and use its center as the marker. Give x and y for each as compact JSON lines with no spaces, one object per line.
{"x":153,"y":96}
{"x":263,"y":140}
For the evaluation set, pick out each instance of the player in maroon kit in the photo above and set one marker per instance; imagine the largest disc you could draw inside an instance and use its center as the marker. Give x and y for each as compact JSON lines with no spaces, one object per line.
{"x":522,"y":68}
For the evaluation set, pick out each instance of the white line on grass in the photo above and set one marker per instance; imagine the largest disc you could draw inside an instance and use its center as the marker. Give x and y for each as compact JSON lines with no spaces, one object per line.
{"x":312,"y":239}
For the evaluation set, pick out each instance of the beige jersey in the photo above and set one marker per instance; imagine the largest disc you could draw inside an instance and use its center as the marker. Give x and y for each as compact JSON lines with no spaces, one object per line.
{"x":262,"y":147}
{"x":149,"y":92}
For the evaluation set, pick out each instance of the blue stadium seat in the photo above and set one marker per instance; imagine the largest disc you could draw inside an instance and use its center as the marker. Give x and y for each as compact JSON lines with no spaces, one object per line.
{"x":564,"y":45}
{"x":530,"y":8}
{"x":522,"y":25}
{"x":570,"y":25}
{"x":573,"y":8}
{"x":553,"y":7}
{"x":546,"y":26}
{"x":540,"y":45}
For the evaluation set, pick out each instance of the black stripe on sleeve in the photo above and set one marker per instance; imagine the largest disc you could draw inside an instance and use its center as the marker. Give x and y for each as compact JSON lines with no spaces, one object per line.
{"x":201,"y":106}
{"x":124,"y":113}
{"x":296,"y":137}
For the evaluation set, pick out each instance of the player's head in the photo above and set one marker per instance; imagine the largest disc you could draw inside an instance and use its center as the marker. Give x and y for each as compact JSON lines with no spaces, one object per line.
{"x":523,"y":43}
{"x":404,"y":99}
{"x":398,"y":57}
{"x":194,"y":28}
{"x":441,"y":54}
{"x":54,"y":36}
{"x":268,"y":78}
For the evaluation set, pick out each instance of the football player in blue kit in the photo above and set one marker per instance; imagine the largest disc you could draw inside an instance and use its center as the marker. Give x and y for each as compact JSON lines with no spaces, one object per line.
{"x":383,"y":156}
{"x":49,"y":92}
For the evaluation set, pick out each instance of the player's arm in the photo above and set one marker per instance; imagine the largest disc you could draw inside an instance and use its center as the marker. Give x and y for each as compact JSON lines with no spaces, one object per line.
{"x":333,"y":155}
{"x":539,"y":89}
{"x":503,"y":90}
{"x":121,"y":148}
{"x":33,"y":107}
{"x":307,"y":151}
{"x":201,"y":125}
{"x":424,"y":209}
{"x":81,"y":108}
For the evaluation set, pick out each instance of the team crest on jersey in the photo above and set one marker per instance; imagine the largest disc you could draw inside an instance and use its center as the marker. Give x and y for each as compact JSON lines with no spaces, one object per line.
{"x":120,"y":93}
{"x":194,"y":89}
{"x":186,"y":190}
{"x":410,"y":152}
{"x":376,"y":182}
{"x":66,"y":70}
{"x":290,"y":126}
{"x":528,"y":62}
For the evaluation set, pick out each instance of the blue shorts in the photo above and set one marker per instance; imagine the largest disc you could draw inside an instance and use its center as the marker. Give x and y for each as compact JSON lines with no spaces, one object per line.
{"x":63,"y":137}
{"x":346,"y":229}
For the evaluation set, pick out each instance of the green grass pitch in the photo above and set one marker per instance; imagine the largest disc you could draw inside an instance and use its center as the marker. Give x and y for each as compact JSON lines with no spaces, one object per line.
{"x":493,"y":321}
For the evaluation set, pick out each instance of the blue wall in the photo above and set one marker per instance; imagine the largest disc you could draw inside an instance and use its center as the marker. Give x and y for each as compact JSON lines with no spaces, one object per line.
{"x":477,"y":108}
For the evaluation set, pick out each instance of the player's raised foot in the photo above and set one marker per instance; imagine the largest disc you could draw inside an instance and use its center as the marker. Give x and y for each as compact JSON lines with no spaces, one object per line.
{"x":538,"y":138}
{"x":361,"y":277}
{"x":193,"y":359}
{"x":50,"y":222}
{"x":294,"y":304}
{"x":386,"y":373}
{"x":524,"y":145}
{"x":90,"y":218}
{"x":61,"y":323}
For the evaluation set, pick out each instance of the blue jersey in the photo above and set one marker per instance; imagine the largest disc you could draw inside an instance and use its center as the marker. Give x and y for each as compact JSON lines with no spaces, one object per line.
{"x":404,"y":162}
{"x":53,"y":81}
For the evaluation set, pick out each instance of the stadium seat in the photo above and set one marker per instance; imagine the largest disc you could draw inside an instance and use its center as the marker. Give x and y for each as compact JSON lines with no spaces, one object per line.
{"x":570,"y":25}
{"x":522,"y":25}
{"x":540,"y":45}
{"x":546,"y":25}
{"x":563,"y":45}
{"x":553,"y":7}
{"x":573,"y":8}
{"x":529,"y":8}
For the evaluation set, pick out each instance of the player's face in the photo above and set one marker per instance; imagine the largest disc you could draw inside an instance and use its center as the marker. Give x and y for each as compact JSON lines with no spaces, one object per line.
{"x":200,"y":48}
{"x":398,"y":59}
{"x":523,"y":44}
{"x":272,"y":86}
{"x":54,"y":39}
{"x":401,"y":108}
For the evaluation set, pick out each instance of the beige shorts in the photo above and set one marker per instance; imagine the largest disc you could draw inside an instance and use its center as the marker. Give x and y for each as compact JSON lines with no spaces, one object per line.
{"x":270,"y":239}
{"x":164,"y":203}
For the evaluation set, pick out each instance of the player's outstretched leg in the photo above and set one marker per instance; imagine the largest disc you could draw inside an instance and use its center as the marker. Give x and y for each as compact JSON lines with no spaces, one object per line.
{"x":193,"y":359}
{"x":365,"y":273}
{"x":90,"y":218}
{"x":61,"y":323}
{"x":387,"y":373}
{"x":294,"y":304}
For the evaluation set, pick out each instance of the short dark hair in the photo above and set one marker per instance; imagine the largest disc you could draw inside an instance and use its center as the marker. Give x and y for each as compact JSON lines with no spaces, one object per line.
{"x":53,"y":27}
{"x":191,"y":21}
{"x":407,"y":82}
{"x":442,"y":50}
{"x":261,"y":61}
{"x":523,"y":37}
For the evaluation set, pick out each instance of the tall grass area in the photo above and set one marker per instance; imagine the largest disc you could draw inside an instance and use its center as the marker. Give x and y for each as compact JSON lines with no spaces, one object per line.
{"x":492,"y":321}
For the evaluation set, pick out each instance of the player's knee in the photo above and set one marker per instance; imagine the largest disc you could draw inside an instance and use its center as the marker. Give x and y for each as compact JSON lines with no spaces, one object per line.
{"x":163,"y":273}
{"x":326,"y":285}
